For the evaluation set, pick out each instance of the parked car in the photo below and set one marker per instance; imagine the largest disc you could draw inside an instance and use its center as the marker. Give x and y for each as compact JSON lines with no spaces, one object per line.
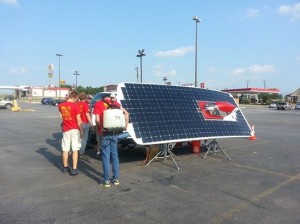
{"x":297,"y":107}
{"x":92,"y":138}
{"x":9,"y":97}
{"x":7,"y":104}
{"x":273,"y":105}
{"x":58,"y":101}
{"x":284,"y":106}
{"x":47,"y":100}
{"x":98,"y":97}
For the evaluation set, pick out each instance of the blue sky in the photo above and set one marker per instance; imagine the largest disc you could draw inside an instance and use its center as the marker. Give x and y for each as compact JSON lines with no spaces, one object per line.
{"x":238,"y":41}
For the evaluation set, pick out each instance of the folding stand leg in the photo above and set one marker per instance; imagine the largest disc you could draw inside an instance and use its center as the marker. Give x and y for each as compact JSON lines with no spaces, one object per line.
{"x":165,"y":152}
{"x":213,"y":146}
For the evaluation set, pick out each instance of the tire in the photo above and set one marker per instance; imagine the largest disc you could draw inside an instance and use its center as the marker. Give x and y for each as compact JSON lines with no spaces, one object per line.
{"x":131,"y":145}
{"x":8,"y":106}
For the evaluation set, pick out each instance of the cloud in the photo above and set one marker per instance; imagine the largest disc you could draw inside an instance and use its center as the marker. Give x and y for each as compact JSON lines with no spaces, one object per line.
{"x":251,"y":12}
{"x":212,"y":69}
{"x":10,"y":2}
{"x":253,"y":69}
{"x":20,"y":70}
{"x":290,"y":10}
{"x":160,"y":71}
{"x":298,"y":58}
{"x":174,"y":53}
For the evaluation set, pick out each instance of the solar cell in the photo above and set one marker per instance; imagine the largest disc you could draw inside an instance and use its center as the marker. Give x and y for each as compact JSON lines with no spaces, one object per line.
{"x":161,"y":114}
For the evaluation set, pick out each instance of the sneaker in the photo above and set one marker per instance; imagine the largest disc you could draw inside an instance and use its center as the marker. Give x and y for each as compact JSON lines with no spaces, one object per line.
{"x":74,"y":172}
{"x":115,"y":181}
{"x":98,"y":155}
{"x":106,"y":183}
{"x":66,"y":169}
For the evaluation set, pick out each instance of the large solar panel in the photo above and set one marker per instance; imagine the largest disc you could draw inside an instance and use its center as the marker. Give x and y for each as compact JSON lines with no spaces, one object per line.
{"x":163,"y":114}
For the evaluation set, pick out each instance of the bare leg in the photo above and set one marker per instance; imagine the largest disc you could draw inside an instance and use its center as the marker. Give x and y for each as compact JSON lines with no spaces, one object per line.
{"x":65,"y":156}
{"x":75,"y":159}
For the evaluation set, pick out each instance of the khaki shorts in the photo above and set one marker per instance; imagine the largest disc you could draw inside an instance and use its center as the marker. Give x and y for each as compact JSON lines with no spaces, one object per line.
{"x":71,"y":139}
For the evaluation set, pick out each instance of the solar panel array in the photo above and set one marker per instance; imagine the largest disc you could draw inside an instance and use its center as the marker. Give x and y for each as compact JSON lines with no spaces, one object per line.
{"x":162,"y":114}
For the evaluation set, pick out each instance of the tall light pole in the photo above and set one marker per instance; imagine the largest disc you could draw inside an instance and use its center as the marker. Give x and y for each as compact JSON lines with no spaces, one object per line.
{"x":197,"y":20}
{"x":140,"y":55}
{"x":59,"y":55}
{"x":137,"y":74}
{"x":76,"y":73}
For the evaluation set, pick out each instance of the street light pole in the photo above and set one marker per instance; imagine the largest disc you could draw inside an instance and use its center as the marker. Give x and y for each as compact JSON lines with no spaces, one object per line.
{"x":59,"y":55}
{"x":140,"y":55}
{"x":76,"y":73}
{"x":197,"y":20}
{"x":137,"y":74}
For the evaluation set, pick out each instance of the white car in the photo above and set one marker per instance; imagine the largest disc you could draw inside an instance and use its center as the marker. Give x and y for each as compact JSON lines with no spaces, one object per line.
{"x":297,"y":107}
{"x":6,"y":104}
{"x":273,"y":105}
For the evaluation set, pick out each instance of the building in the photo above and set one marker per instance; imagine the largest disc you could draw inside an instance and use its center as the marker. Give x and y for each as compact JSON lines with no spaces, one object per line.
{"x":293,"y":97}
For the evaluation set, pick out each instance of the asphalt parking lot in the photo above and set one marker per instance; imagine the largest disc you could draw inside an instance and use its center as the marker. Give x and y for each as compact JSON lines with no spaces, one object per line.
{"x":261,"y":184}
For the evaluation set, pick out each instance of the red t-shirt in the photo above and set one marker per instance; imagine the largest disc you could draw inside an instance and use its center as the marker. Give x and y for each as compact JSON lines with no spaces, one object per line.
{"x":83,"y":108}
{"x":68,"y":111}
{"x":101,"y":106}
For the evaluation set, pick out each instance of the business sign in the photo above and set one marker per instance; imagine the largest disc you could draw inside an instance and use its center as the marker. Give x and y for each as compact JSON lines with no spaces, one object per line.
{"x":50,"y":70}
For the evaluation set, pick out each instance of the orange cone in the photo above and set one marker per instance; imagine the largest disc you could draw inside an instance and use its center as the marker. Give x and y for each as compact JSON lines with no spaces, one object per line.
{"x":253,"y":136}
{"x":196,"y":146}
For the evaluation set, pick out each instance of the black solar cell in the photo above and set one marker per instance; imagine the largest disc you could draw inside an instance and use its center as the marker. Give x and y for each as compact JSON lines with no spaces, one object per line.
{"x":161,"y":114}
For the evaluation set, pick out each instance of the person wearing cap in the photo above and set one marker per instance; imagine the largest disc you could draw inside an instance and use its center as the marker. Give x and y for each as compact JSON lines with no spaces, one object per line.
{"x":104,"y":102}
{"x":109,"y":141}
{"x":86,"y":123}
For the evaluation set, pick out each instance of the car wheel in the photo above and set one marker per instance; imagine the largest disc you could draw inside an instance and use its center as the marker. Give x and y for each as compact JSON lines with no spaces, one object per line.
{"x":131,"y":145}
{"x":8,"y":106}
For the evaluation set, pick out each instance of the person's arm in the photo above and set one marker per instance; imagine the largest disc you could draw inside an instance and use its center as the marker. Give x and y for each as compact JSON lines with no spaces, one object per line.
{"x":88,"y":116}
{"x":97,"y":120}
{"x":79,"y":123}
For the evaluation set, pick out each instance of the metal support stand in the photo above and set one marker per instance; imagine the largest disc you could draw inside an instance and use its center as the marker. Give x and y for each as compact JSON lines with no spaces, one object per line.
{"x":213,"y":148}
{"x":165,"y":151}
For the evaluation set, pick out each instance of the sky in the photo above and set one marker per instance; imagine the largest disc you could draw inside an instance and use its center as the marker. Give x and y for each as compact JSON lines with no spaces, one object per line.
{"x":240,"y":44}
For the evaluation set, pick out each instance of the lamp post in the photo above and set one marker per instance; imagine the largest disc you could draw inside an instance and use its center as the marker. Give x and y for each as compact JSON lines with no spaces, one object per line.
{"x":137,"y":74}
{"x":76,"y":73}
{"x":197,"y":20}
{"x":140,"y":55}
{"x":59,"y":55}
{"x":165,"y":79}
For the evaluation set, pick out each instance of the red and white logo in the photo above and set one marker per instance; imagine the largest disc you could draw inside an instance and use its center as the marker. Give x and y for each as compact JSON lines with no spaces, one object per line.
{"x":218,"y":110}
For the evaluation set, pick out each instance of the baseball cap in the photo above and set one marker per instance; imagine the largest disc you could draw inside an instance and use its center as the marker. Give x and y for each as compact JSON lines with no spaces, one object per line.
{"x":113,"y":95}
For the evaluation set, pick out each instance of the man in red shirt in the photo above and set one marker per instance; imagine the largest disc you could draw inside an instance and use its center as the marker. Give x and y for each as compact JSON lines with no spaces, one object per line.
{"x":109,"y":141}
{"x":86,"y":123}
{"x":72,"y":132}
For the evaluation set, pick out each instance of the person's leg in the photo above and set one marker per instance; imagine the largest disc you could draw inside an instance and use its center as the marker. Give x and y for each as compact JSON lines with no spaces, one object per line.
{"x":84,"y":139}
{"x":75,"y":159}
{"x":65,"y":147}
{"x":105,"y":154}
{"x":98,"y":146}
{"x":65,"y":156}
{"x":75,"y":146}
{"x":115,"y":158}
